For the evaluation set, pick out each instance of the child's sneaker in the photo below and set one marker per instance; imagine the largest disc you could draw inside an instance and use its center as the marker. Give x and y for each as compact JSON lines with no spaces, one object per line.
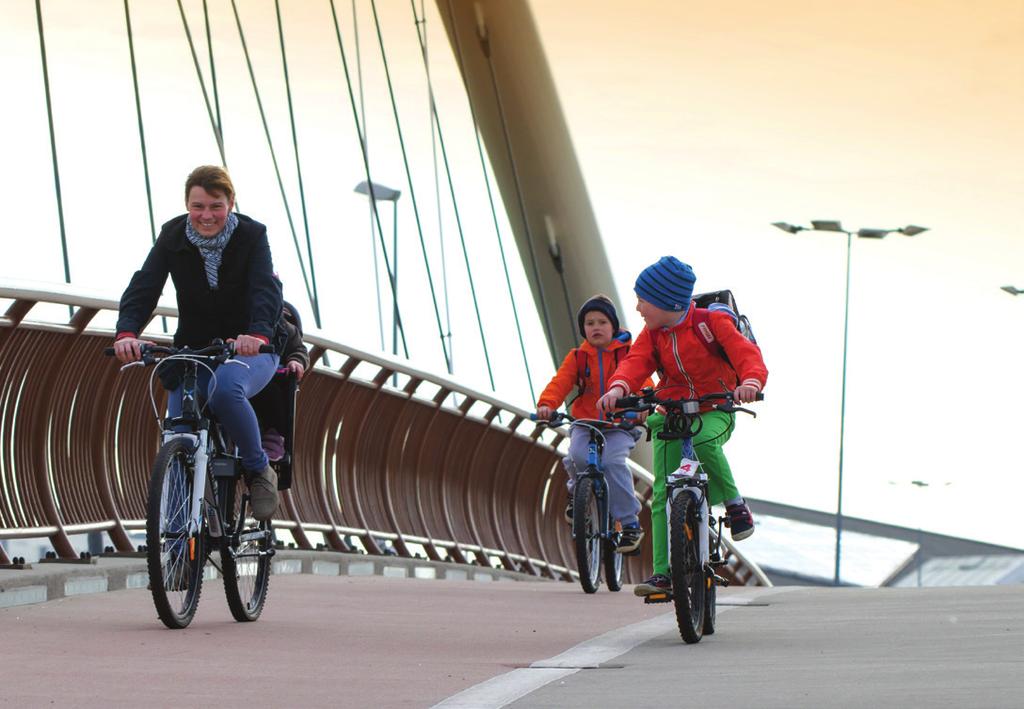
{"x":568,"y":511}
{"x":659,"y":583}
{"x":629,"y":540}
{"x":739,"y":520}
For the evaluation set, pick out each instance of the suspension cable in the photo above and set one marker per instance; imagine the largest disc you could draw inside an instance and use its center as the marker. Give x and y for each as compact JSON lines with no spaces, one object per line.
{"x":213,"y":73}
{"x":364,"y":139}
{"x":490,"y":199}
{"x":485,"y":45}
{"x":421,"y":31}
{"x":436,"y":121}
{"x":298,"y":165}
{"x":53,"y":148}
{"x":202,"y":85}
{"x":369,"y":179}
{"x":273,"y":155}
{"x":412,"y":189}
{"x":142,"y":135}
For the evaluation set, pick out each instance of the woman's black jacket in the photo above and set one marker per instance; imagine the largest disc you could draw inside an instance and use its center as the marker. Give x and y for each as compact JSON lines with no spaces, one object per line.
{"x":247,"y":299}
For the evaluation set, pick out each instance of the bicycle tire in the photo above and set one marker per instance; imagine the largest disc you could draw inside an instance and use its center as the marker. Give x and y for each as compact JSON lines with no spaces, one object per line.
{"x":586,"y":535}
{"x":612,"y":567}
{"x":688,"y":576}
{"x":174,"y":558}
{"x":245,"y":582}
{"x":710,"y":597}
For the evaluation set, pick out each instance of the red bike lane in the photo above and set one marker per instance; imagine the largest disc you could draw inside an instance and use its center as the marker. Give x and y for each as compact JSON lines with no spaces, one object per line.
{"x":322,"y":641}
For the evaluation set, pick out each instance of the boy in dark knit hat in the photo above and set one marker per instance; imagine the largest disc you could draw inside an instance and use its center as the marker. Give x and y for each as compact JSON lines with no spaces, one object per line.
{"x":587,"y":368}
{"x":670,"y":344}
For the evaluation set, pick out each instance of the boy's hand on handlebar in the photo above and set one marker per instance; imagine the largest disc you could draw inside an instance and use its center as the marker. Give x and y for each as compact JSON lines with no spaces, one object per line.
{"x":247,"y":345}
{"x":543,"y":413}
{"x":745,"y":393}
{"x":129,"y":349}
{"x":607,"y":403}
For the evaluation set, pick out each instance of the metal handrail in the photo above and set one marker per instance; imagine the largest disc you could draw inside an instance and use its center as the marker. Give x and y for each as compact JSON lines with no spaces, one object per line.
{"x":462,"y":485}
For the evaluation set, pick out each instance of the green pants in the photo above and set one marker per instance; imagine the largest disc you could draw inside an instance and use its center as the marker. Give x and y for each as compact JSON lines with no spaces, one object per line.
{"x":707,"y":444}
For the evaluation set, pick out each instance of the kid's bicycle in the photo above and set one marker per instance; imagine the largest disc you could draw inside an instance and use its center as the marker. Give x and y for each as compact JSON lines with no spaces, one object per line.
{"x":199,"y":501}
{"x":694,"y":533}
{"x":596,"y":536}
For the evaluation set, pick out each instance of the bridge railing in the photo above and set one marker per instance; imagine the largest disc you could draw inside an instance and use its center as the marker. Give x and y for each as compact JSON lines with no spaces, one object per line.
{"x":401,"y":460}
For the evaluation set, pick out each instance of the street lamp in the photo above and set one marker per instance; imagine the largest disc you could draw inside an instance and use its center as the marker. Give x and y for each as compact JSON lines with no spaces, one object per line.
{"x":1012,"y":290}
{"x":380,"y":193}
{"x":825,"y":225}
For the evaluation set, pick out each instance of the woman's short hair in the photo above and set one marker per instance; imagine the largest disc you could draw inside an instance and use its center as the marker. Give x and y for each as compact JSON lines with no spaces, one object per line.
{"x":211,"y":178}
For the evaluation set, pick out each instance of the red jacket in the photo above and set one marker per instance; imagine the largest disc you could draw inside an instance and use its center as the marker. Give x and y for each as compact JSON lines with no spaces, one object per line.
{"x":687,"y":364}
{"x":602,"y":364}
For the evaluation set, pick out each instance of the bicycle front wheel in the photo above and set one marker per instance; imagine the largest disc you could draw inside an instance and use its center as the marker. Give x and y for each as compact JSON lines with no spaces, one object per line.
{"x":612,"y":567}
{"x":688,"y":577}
{"x":245,"y":551}
{"x":586,"y":532}
{"x":175,"y":555}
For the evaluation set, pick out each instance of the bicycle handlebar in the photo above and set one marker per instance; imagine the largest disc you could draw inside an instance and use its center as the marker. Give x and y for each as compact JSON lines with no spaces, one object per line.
{"x":647,"y":401}
{"x":558,"y":418}
{"x":215,"y":349}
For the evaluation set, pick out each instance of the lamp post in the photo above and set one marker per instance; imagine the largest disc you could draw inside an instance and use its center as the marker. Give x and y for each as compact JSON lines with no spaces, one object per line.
{"x":1012,"y":290}
{"x":380,"y":193}
{"x":864,"y":233}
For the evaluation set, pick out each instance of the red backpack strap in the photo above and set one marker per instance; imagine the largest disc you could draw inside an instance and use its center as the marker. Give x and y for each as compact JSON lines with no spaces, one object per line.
{"x":582,"y":370}
{"x":702,"y":328}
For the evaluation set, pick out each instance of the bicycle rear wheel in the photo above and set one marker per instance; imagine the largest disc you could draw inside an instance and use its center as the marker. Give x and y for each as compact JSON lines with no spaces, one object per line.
{"x":586,"y":532}
{"x":244,"y":556}
{"x":175,"y":557}
{"x":688,"y":577}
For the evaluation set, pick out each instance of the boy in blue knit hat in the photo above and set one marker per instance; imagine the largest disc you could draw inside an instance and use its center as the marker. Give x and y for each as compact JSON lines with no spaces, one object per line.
{"x":671,"y":344}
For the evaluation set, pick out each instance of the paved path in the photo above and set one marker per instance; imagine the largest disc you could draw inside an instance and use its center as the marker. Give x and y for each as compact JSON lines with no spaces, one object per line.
{"x":822,"y":647}
{"x":384,"y":642}
{"x":322,"y":641}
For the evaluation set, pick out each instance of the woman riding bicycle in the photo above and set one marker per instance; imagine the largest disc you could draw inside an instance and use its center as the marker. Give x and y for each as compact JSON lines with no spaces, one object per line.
{"x":224,"y":280}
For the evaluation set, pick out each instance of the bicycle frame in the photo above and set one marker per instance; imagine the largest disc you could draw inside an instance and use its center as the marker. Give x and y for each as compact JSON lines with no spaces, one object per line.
{"x":595,"y":471}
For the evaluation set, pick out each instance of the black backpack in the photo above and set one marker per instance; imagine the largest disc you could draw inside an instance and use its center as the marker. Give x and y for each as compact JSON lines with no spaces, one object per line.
{"x":722,"y":301}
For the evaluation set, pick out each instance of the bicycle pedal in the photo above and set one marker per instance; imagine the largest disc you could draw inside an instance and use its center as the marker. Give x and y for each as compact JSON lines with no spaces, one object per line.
{"x":720,"y":581}
{"x":658,"y":598}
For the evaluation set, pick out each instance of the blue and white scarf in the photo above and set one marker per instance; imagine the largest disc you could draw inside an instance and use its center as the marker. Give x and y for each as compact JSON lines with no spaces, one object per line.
{"x":212,"y":248}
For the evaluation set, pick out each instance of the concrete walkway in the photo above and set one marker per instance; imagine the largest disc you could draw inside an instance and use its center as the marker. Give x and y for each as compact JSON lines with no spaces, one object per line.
{"x":822,"y":647}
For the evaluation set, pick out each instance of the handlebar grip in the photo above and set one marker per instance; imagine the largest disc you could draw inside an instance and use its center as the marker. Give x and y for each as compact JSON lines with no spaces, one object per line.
{"x":267,"y":349}
{"x":627,"y":402}
{"x":629,"y":415}
{"x":533,"y":417}
{"x":108,"y":351}
{"x":759,"y":397}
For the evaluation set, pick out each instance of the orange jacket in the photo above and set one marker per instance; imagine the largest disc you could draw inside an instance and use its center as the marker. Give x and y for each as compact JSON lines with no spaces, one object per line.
{"x":687,"y":365}
{"x":601,"y":364}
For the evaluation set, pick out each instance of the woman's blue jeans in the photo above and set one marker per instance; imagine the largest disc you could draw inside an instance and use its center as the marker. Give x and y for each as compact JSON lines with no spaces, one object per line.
{"x":235,"y":385}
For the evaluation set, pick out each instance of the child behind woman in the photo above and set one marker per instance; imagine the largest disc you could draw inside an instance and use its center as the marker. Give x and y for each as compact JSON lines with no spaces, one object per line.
{"x":588,"y":368}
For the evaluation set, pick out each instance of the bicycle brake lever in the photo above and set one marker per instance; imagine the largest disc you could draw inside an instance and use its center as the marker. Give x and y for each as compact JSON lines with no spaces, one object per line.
{"x":136,"y":363}
{"x":237,"y":361}
{"x":732,"y":408}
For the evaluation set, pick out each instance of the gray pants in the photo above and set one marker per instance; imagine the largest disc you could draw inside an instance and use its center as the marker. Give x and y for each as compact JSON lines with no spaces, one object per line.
{"x":621,"y":498}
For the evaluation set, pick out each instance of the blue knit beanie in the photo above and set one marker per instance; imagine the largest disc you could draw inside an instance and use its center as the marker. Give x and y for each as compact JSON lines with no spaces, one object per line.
{"x":667,"y":284}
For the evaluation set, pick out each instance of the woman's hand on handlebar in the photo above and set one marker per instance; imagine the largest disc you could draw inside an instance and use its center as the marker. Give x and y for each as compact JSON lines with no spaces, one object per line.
{"x":607,"y":403}
{"x":745,"y":393}
{"x":247,"y":345}
{"x":129,"y":349}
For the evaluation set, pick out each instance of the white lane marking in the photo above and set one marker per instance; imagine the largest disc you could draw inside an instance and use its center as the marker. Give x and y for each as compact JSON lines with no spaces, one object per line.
{"x":504,"y":689}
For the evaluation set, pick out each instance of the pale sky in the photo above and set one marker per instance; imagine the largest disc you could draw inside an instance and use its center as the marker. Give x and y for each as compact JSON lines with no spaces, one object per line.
{"x":696,"y":126}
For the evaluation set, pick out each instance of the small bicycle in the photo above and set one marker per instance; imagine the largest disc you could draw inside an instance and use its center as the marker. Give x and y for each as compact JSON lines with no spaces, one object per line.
{"x":694,"y":533}
{"x":199,"y":500}
{"x":595,"y":534}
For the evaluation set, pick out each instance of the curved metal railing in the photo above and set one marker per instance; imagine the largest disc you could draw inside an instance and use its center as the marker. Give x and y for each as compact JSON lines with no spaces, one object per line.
{"x":386,"y":454}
